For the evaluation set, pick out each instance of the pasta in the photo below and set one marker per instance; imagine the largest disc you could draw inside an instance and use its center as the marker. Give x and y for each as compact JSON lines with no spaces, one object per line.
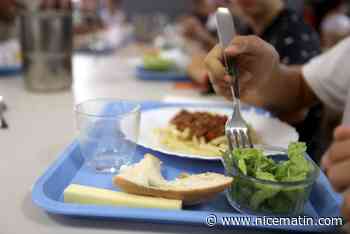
{"x":197,"y":133}
{"x":179,"y":141}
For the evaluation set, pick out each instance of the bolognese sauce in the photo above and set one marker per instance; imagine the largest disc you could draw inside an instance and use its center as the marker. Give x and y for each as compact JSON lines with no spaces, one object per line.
{"x":201,"y":124}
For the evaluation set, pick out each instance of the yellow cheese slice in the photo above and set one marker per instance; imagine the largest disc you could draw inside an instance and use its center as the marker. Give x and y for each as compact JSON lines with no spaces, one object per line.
{"x":75,"y":193}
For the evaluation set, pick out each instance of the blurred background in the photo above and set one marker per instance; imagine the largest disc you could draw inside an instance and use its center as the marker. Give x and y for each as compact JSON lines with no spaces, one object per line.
{"x":55,"y":54}
{"x":104,"y":48}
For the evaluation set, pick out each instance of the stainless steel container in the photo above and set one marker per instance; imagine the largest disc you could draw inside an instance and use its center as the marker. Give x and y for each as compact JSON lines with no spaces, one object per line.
{"x":46,"y":41}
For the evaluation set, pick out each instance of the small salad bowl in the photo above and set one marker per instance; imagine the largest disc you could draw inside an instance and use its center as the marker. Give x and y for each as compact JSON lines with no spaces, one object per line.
{"x":279,"y":183}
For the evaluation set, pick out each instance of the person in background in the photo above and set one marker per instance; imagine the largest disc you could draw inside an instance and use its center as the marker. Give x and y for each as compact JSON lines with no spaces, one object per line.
{"x":283,"y":89}
{"x":200,"y":25}
{"x":7,"y":16}
{"x":202,"y":9}
{"x":321,"y":8}
{"x":9,"y":10}
{"x":200,"y":29}
{"x":88,"y":19}
{"x":111,"y":12}
{"x":297,"y":5}
{"x":331,"y":21}
{"x":295,"y":41}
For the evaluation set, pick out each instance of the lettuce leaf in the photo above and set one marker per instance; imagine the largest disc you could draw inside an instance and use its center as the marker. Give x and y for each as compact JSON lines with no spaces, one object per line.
{"x":267,"y":197}
{"x":253,"y":162}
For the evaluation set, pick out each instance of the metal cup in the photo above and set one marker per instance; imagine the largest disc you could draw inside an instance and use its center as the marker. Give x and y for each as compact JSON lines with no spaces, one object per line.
{"x":46,"y":42}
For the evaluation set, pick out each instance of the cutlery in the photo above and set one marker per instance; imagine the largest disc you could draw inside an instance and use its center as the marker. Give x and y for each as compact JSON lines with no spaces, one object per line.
{"x":236,"y":128}
{"x":3,"y":107}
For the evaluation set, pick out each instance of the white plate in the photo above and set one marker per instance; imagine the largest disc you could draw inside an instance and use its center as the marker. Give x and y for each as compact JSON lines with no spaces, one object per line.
{"x":273,"y":131}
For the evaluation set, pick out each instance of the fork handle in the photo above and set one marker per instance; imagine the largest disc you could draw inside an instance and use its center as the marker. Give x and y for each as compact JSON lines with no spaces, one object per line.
{"x":233,"y":72}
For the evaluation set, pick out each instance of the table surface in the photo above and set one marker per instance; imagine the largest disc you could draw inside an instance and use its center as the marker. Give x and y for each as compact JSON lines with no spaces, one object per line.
{"x":42,"y":125}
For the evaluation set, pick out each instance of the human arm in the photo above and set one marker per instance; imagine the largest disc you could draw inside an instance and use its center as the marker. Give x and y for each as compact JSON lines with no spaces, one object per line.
{"x":336,"y":163}
{"x":193,"y":29}
{"x":283,"y":88}
{"x":264,"y":81}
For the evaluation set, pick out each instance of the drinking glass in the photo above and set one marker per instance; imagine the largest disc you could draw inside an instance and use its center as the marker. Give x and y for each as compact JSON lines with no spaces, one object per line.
{"x":107,"y":133}
{"x":46,"y":42}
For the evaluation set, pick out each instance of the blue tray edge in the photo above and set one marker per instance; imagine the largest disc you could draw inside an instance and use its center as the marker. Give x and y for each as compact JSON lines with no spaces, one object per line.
{"x":188,"y":217}
{"x":170,"y":76}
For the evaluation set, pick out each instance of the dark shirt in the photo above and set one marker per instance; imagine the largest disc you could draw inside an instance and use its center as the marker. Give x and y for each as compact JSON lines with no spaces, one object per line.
{"x":294,"y":40}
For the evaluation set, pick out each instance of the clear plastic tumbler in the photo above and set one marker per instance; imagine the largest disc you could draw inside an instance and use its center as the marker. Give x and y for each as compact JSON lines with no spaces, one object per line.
{"x":107,"y":133}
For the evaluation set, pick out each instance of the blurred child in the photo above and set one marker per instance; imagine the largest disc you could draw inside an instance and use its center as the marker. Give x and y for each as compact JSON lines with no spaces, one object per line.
{"x":200,"y":26}
{"x":294,"y":40}
{"x":331,"y":21}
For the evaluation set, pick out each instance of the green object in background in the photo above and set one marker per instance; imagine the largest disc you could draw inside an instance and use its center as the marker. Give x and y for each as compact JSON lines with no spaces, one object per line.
{"x":269,"y":197}
{"x":157,"y":63}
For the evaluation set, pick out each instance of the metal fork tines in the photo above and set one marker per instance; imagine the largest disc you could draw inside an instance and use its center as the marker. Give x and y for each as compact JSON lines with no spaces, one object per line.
{"x":236,"y":128}
{"x":237,"y":133}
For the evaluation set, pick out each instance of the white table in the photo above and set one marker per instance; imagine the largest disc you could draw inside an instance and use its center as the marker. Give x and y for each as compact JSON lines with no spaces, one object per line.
{"x":41,"y":125}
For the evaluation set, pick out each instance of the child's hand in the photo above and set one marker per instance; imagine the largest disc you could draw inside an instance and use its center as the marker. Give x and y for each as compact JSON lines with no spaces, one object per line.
{"x":336,"y":162}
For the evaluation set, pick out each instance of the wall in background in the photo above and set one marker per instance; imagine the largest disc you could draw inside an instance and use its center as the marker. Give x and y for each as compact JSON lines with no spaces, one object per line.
{"x":173,"y":8}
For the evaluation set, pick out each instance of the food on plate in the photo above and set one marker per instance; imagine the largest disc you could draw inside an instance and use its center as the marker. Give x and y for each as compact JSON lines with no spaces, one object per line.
{"x":157,"y":63}
{"x":200,"y":124}
{"x":145,"y":178}
{"x":278,"y":184}
{"x":80,"y":194}
{"x":201,"y":133}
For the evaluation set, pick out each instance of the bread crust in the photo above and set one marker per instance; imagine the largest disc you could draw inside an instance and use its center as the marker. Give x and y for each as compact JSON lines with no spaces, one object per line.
{"x":188,"y":196}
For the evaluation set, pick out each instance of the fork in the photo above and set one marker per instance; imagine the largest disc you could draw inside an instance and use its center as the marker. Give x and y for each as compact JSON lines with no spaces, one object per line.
{"x":236,"y":128}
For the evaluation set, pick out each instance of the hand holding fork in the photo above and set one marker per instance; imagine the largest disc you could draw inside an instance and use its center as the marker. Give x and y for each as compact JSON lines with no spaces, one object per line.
{"x":236,"y":129}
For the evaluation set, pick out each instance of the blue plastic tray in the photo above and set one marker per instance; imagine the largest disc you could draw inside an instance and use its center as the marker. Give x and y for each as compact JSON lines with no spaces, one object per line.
{"x":70,"y":168}
{"x":144,"y":74}
{"x":10,"y":71}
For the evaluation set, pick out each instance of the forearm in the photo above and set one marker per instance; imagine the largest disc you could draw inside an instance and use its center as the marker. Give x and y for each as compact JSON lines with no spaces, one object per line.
{"x":263,"y":81}
{"x":288,"y":91}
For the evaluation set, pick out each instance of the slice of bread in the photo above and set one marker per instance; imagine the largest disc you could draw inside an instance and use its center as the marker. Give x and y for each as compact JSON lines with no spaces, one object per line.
{"x":145,"y":178}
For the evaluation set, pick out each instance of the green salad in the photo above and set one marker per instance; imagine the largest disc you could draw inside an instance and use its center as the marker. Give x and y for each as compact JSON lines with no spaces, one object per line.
{"x":157,"y":63}
{"x":262,"y":195}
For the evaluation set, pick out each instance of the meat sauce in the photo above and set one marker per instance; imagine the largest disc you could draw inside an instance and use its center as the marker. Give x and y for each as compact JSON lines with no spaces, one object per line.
{"x":201,"y":124}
